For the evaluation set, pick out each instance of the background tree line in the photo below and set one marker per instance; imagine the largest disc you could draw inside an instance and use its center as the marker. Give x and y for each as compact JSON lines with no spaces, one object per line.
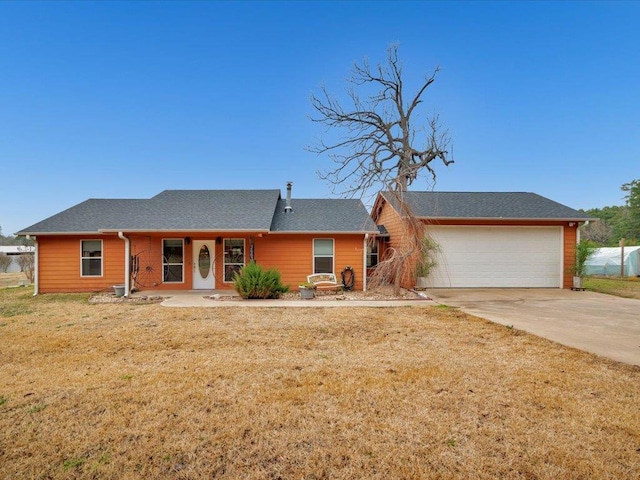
{"x":12,"y":240}
{"x":616,"y":222}
{"x":26,"y":263}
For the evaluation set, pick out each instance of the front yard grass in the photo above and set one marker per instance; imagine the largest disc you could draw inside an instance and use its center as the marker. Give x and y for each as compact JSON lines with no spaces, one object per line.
{"x":11,"y":279}
{"x":142,"y":391}
{"x":620,"y":286}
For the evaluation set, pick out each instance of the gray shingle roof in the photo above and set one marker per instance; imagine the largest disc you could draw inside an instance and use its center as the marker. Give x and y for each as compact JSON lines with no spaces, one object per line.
{"x":486,"y":205}
{"x":187,"y":210}
{"x":208,"y":210}
{"x":88,"y":216}
{"x":323,"y":215}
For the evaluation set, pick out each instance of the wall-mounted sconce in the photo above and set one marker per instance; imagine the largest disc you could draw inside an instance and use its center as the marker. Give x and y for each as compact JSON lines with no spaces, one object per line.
{"x":572,"y":224}
{"x":187,"y":240}
{"x":218,"y":240}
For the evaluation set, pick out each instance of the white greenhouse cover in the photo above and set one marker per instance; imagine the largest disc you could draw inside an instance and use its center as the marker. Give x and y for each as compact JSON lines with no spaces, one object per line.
{"x":606,"y":261}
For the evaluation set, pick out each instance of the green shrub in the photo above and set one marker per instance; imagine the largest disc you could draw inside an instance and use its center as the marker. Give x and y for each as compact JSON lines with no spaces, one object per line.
{"x":255,"y":282}
{"x":584,"y":251}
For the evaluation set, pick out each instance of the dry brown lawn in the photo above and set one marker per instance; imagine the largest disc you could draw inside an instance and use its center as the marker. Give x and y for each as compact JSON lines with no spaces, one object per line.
{"x":11,"y":279}
{"x":628,"y":287}
{"x":142,"y":391}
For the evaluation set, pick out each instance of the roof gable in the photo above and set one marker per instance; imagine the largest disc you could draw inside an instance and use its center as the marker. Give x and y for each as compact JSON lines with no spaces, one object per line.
{"x":231,"y":210}
{"x":323,"y":215}
{"x":485,"y":205}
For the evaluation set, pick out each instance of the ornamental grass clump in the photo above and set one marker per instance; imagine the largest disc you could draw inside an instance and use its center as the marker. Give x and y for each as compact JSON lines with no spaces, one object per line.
{"x":255,"y":282}
{"x":584,"y":251}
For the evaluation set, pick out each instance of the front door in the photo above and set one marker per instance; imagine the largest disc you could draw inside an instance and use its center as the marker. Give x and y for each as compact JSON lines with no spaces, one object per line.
{"x":203,"y":255}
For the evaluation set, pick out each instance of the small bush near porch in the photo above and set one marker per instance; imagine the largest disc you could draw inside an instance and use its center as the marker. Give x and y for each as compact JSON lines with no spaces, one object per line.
{"x":133,"y":391}
{"x":253,"y":281}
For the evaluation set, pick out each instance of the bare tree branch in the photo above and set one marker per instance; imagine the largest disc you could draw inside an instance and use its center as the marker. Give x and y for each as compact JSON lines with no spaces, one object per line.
{"x":381,"y":147}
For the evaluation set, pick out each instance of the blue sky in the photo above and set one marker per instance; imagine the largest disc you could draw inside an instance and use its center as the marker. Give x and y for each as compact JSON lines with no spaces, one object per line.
{"x":126,"y":99}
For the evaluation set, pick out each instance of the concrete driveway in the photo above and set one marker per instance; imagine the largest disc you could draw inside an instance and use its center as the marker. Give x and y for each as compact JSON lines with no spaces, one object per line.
{"x":602,"y":324}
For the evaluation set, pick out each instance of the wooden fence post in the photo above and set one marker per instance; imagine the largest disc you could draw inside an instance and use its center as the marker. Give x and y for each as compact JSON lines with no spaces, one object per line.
{"x":622,"y":257}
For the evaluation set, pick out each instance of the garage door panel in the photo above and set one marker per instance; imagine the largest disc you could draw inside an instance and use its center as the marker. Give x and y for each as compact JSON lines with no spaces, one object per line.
{"x":474,"y":256}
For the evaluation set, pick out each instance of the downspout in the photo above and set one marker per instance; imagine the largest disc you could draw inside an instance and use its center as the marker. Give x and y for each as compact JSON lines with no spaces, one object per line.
{"x":35,"y":264}
{"x":364,"y":262}
{"x":127,"y":266}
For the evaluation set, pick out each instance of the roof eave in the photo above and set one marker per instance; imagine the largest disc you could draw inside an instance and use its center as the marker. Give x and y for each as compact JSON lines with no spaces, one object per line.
{"x":185,"y":230}
{"x":324,"y":232}
{"x":25,"y":233}
{"x":127,"y":230}
{"x":522,"y":219}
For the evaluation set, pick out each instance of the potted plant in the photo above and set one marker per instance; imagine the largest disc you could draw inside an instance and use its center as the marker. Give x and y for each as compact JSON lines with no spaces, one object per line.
{"x":307,"y":290}
{"x":422,"y":272}
{"x":584,"y":250}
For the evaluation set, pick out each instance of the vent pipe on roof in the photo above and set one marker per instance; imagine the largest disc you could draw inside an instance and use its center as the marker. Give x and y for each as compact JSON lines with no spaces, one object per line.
{"x":287,"y":207}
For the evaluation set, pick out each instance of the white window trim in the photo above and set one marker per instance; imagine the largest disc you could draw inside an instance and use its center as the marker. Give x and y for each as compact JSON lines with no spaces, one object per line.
{"x":93,"y":258}
{"x":333,"y":255}
{"x":224,"y":263}
{"x":163,"y":262}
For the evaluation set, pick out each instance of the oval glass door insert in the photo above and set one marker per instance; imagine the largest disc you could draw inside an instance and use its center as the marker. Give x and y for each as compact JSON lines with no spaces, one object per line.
{"x":204,"y":261}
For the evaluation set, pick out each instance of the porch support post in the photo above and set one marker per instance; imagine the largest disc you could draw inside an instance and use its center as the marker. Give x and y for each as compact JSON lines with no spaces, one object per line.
{"x":127,"y":264}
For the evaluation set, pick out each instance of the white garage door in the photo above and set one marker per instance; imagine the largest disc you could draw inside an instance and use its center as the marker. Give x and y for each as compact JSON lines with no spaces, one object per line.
{"x":497,"y":257}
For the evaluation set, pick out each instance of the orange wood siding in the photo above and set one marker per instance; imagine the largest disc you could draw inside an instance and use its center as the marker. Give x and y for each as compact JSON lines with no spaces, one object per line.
{"x":394,"y":224}
{"x":59,"y":264}
{"x":292,"y":255}
{"x":570,"y":237}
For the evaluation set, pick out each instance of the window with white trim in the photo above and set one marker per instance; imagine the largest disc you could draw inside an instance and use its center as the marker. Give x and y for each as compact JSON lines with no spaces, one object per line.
{"x":91,"y":258}
{"x":172,"y":261}
{"x":233,"y":257}
{"x":323,"y":255}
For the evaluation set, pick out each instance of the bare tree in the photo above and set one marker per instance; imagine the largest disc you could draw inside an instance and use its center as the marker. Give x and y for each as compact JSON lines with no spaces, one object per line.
{"x":26,"y":261}
{"x":598,"y":232}
{"x":382,"y":148}
{"x":5,"y":261}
